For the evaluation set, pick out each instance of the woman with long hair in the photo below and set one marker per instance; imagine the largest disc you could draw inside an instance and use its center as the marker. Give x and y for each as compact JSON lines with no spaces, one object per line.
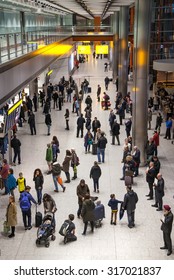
{"x":55,"y":148}
{"x":39,"y":180}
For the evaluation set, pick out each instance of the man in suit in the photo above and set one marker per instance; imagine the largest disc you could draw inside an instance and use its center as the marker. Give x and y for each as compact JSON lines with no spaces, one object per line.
{"x":159,"y":193}
{"x":166,"y":227}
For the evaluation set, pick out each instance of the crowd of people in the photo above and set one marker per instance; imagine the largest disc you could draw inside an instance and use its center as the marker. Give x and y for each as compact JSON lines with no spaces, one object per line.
{"x":92,"y":136}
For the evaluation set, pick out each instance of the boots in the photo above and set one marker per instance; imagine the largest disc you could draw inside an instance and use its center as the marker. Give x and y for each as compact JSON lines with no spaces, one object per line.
{"x":75,"y":176}
{"x":68,"y":178}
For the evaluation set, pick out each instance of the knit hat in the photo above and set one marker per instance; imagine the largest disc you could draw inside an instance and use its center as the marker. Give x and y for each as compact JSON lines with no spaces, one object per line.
{"x":167,"y":207}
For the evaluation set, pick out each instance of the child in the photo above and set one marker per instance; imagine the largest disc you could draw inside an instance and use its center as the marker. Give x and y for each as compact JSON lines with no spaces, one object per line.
{"x":21,"y":183}
{"x":113,"y":203}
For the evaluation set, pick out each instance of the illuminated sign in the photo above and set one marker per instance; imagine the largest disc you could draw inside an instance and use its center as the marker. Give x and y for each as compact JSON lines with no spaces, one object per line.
{"x":101,"y":49}
{"x":84,"y":50}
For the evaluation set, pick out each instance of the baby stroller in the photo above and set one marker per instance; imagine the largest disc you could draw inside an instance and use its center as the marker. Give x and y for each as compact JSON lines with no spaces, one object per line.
{"x":46,"y":229}
{"x":99,"y":213}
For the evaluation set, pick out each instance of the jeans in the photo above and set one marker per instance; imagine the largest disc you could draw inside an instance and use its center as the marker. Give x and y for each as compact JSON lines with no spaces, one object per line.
{"x":130,"y":216}
{"x":96,"y":184}
{"x":25,"y":215}
{"x":102,"y":152}
{"x":55,"y":182}
{"x":39,"y":195}
{"x":49,"y":127}
{"x":79,"y":210}
{"x":17,"y":154}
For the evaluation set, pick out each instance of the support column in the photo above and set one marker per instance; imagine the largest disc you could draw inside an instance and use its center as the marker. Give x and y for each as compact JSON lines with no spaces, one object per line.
{"x":115,"y":45}
{"x":143,"y":10}
{"x":33,"y":87}
{"x":123,"y":50}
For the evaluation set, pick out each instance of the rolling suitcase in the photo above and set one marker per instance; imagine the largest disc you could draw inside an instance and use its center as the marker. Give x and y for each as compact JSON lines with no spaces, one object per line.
{"x":128,"y":180}
{"x":94,"y":148}
{"x":89,"y":89}
{"x":38,"y":218}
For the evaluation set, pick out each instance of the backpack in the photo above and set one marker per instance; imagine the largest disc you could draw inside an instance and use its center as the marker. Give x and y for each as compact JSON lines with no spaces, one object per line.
{"x":64,"y":229}
{"x":24,"y":202}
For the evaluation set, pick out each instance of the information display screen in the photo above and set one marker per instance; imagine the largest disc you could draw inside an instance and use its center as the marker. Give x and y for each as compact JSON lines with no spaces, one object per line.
{"x":102,"y":49}
{"x":84,"y":49}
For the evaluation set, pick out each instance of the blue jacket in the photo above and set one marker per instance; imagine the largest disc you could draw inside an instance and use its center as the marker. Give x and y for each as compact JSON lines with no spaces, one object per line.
{"x":11,"y":182}
{"x":30,"y":198}
{"x":168,"y":123}
{"x":113,"y":203}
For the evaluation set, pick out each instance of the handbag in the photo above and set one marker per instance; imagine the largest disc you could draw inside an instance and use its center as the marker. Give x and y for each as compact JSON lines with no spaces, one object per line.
{"x":59,"y":180}
{"x":90,"y":142}
{"x":6,"y":228}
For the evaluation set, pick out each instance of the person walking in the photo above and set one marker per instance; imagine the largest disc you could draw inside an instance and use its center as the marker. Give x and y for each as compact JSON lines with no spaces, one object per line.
{"x":66,"y":165}
{"x":55,"y":99}
{"x":113,"y":203}
{"x":31,"y":121}
{"x":112,"y":118}
{"x":95,"y":174}
{"x":129,"y":204}
{"x":49,"y":157}
{"x":98,"y":92}
{"x":67,"y":119}
{"x":106,"y":80}
{"x":74,"y":163}
{"x":16,"y":145}
{"x":48,"y":122}
{"x":55,"y":148}
{"x":149,"y":118}
{"x":101,"y":146}
{"x":159,"y":121}
{"x":39,"y":180}
{"x":115,"y":132}
{"x":159,"y":192}
{"x":35,"y":102}
{"x":150,"y":178}
{"x":80,"y":125}
{"x":82,"y":190}
{"x":166,"y":227}
{"x":11,"y":215}
{"x":88,"y":141}
{"x":25,"y":205}
{"x":56,"y":172}
{"x":88,"y":213}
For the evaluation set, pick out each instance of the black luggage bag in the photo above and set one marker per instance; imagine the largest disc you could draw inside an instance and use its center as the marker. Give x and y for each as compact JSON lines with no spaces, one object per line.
{"x":89,"y":89}
{"x":94,"y":148}
{"x":38,"y":218}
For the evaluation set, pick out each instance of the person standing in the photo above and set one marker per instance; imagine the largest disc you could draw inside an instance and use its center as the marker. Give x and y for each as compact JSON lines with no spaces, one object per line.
{"x":77,"y":107}
{"x":168,"y":128}
{"x":95,"y":174}
{"x":66,"y":165}
{"x":106,"y":80}
{"x":128,"y":125}
{"x":39,"y":180}
{"x":149,"y":118}
{"x":11,"y":215}
{"x":82,"y":190}
{"x":155,"y":139}
{"x":136,"y":157}
{"x":112,"y":118}
{"x":4,"y":174}
{"x":159,"y":193}
{"x":98,"y":92}
{"x":31,"y":121}
{"x":11,"y":182}
{"x":55,"y":98}
{"x":159,"y":121}
{"x":35,"y":102}
{"x":95,"y":124}
{"x":16,"y":145}
{"x":55,"y":148}
{"x":88,"y":141}
{"x":166,"y":227}
{"x":150,"y":178}
{"x":115,"y":132}
{"x":88,"y":213}
{"x":21,"y":183}
{"x":101,"y":146}
{"x":129,"y":204}
{"x":67,"y":119}
{"x":48,"y":122}
{"x":25,"y":205}
{"x":113,"y":203}
{"x":80,"y":125}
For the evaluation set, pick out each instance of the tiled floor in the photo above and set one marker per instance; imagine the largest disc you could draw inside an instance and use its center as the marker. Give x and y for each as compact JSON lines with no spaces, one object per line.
{"x":108,"y":242}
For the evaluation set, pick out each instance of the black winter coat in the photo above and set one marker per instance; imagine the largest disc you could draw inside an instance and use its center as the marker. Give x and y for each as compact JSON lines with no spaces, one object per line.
{"x":88,"y":210}
{"x":130,"y":200}
{"x":116,"y":128}
{"x":95,"y":172}
{"x":150,"y":176}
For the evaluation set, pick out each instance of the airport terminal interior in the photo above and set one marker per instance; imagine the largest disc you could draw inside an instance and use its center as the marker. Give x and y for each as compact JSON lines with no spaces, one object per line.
{"x":108,"y":242}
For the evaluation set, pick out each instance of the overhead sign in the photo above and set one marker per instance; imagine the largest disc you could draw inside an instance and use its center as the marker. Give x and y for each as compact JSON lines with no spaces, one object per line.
{"x":84,"y":49}
{"x":101,"y":49}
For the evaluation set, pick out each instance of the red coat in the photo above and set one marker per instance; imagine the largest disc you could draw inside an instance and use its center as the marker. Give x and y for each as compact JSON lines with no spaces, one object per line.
{"x":156,"y":139}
